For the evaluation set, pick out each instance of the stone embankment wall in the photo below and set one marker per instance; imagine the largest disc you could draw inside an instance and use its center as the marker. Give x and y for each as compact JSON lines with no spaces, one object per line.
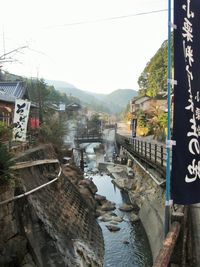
{"x":51,"y":227}
{"x":150,"y":199}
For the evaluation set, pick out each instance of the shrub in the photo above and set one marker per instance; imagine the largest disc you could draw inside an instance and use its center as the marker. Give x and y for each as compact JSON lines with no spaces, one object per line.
{"x":52,"y":131}
{"x":4,"y":131}
{"x":5,"y":163}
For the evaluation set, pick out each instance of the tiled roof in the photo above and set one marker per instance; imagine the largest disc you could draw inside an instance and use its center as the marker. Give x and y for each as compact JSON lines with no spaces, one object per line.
{"x":74,"y":105}
{"x":140,"y":99}
{"x":9,"y":91}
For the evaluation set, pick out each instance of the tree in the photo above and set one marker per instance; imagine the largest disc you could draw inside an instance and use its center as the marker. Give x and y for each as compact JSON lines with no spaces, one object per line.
{"x":94,"y":124}
{"x":158,"y":124}
{"x":126,"y":114}
{"x":52,"y":131}
{"x":38,"y":93}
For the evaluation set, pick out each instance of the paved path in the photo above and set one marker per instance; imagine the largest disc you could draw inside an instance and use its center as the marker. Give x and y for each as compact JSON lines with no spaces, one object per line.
{"x":124,"y":129}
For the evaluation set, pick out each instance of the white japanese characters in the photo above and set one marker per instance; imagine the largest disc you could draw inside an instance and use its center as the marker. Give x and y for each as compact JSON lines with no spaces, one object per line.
{"x":193,"y":169}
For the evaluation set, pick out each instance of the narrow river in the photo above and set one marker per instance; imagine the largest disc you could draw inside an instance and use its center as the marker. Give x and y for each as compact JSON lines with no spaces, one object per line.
{"x":129,"y":246}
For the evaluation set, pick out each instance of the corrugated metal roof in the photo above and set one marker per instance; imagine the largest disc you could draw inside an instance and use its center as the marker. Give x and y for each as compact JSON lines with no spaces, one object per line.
{"x":9,"y":91}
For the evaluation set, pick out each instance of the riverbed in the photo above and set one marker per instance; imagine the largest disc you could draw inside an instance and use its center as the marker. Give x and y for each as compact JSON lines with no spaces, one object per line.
{"x":128,"y":246}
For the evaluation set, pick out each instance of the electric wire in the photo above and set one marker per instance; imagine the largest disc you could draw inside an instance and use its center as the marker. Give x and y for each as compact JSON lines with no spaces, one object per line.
{"x":107,"y":19}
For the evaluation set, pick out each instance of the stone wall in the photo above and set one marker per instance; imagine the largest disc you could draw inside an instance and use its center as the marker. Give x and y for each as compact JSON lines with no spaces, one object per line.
{"x":56,"y":225}
{"x":13,"y":245}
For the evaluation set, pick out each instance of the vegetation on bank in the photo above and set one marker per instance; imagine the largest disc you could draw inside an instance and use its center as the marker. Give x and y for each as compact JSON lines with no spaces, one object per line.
{"x":154,"y":124}
{"x":5,"y":163}
{"x":52,"y":122}
{"x":6,"y":160}
{"x":126,"y":114}
{"x":52,"y":126}
{"x":152,"y":81}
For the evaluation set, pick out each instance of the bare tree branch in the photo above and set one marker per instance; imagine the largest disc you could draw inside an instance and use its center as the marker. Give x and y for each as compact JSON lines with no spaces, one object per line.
{"x":7,"y":60}
{"x":2,"y":57}
{"x":8,"y":57}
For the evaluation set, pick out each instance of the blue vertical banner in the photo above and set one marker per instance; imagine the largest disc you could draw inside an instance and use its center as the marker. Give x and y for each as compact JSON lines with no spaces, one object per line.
{"x":185,"y":174}
{"x":134,"y":127}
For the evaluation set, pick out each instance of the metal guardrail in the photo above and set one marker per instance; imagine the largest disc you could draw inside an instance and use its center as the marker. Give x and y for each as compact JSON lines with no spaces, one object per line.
{"x":88,"y":138}
{"x":152,"y":153}
{"x":34,"y":189}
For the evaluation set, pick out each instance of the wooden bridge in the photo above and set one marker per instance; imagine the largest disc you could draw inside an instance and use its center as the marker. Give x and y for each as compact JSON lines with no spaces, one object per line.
{"x":89,"y":138}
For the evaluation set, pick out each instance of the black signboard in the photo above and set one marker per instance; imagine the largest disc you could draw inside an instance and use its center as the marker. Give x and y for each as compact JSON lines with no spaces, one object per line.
{"x":133,"y":127}
{"x":185,"y":175}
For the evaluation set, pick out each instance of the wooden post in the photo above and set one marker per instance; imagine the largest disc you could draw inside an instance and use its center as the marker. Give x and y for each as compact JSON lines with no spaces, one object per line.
{"x":163,"y":258}
{"x":82,"y":161}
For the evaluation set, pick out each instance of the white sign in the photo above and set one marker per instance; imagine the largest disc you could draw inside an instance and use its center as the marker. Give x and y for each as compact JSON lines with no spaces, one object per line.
{"x":62,"y":107}
{"x":21,"y":116}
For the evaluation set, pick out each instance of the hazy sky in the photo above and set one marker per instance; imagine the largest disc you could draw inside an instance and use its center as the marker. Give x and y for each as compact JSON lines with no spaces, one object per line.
{"x":73,"y":41}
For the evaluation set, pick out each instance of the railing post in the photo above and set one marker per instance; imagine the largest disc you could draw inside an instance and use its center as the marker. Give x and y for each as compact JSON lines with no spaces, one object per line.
{"x":161,"y":155}
{"x":150,"y":151}
{"x":142,"y":148}
{"x":145,"y":149}
{"x":156,"y":153}
{"x":133,"y":144}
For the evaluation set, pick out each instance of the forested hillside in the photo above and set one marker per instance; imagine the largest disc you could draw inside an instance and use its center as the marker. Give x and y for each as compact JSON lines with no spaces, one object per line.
{"x":153,"y":79}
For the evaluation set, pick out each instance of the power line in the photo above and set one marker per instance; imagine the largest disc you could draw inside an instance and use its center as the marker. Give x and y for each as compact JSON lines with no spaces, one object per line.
{"x":108,"y":19}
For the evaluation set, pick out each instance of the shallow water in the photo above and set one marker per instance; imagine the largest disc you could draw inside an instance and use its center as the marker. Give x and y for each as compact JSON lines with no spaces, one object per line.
{"x":136,"y":251}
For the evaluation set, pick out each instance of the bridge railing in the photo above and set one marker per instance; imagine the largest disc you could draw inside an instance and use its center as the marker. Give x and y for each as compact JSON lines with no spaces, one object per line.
{"x":88,"y":137}
{"x":152,"y":153}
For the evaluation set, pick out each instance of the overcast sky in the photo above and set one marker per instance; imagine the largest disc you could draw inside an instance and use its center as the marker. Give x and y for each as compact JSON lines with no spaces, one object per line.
{"x":82,"y":41}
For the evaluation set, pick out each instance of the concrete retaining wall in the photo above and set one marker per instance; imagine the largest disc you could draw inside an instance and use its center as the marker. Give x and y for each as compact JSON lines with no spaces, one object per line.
{"x":151,"y":200}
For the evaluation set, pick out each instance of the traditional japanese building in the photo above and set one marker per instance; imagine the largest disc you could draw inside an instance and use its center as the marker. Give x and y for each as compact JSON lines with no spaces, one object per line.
{"x":9,"y":92}
{"x":148,"y":104}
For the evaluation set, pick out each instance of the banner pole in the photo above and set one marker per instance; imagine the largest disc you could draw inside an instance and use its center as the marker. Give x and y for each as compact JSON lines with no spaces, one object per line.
{"x":167,"y":194}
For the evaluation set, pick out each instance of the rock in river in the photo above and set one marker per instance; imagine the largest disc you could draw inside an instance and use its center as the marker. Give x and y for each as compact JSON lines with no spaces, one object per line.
{"x":108,"y":206}
{"x":113,"y":228}
{"x":134,"y":218}
{"x":126,"y":207}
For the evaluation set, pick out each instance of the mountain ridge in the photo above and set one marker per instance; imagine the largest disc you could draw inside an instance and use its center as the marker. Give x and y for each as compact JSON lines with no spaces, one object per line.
{"x":113,"y":102}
